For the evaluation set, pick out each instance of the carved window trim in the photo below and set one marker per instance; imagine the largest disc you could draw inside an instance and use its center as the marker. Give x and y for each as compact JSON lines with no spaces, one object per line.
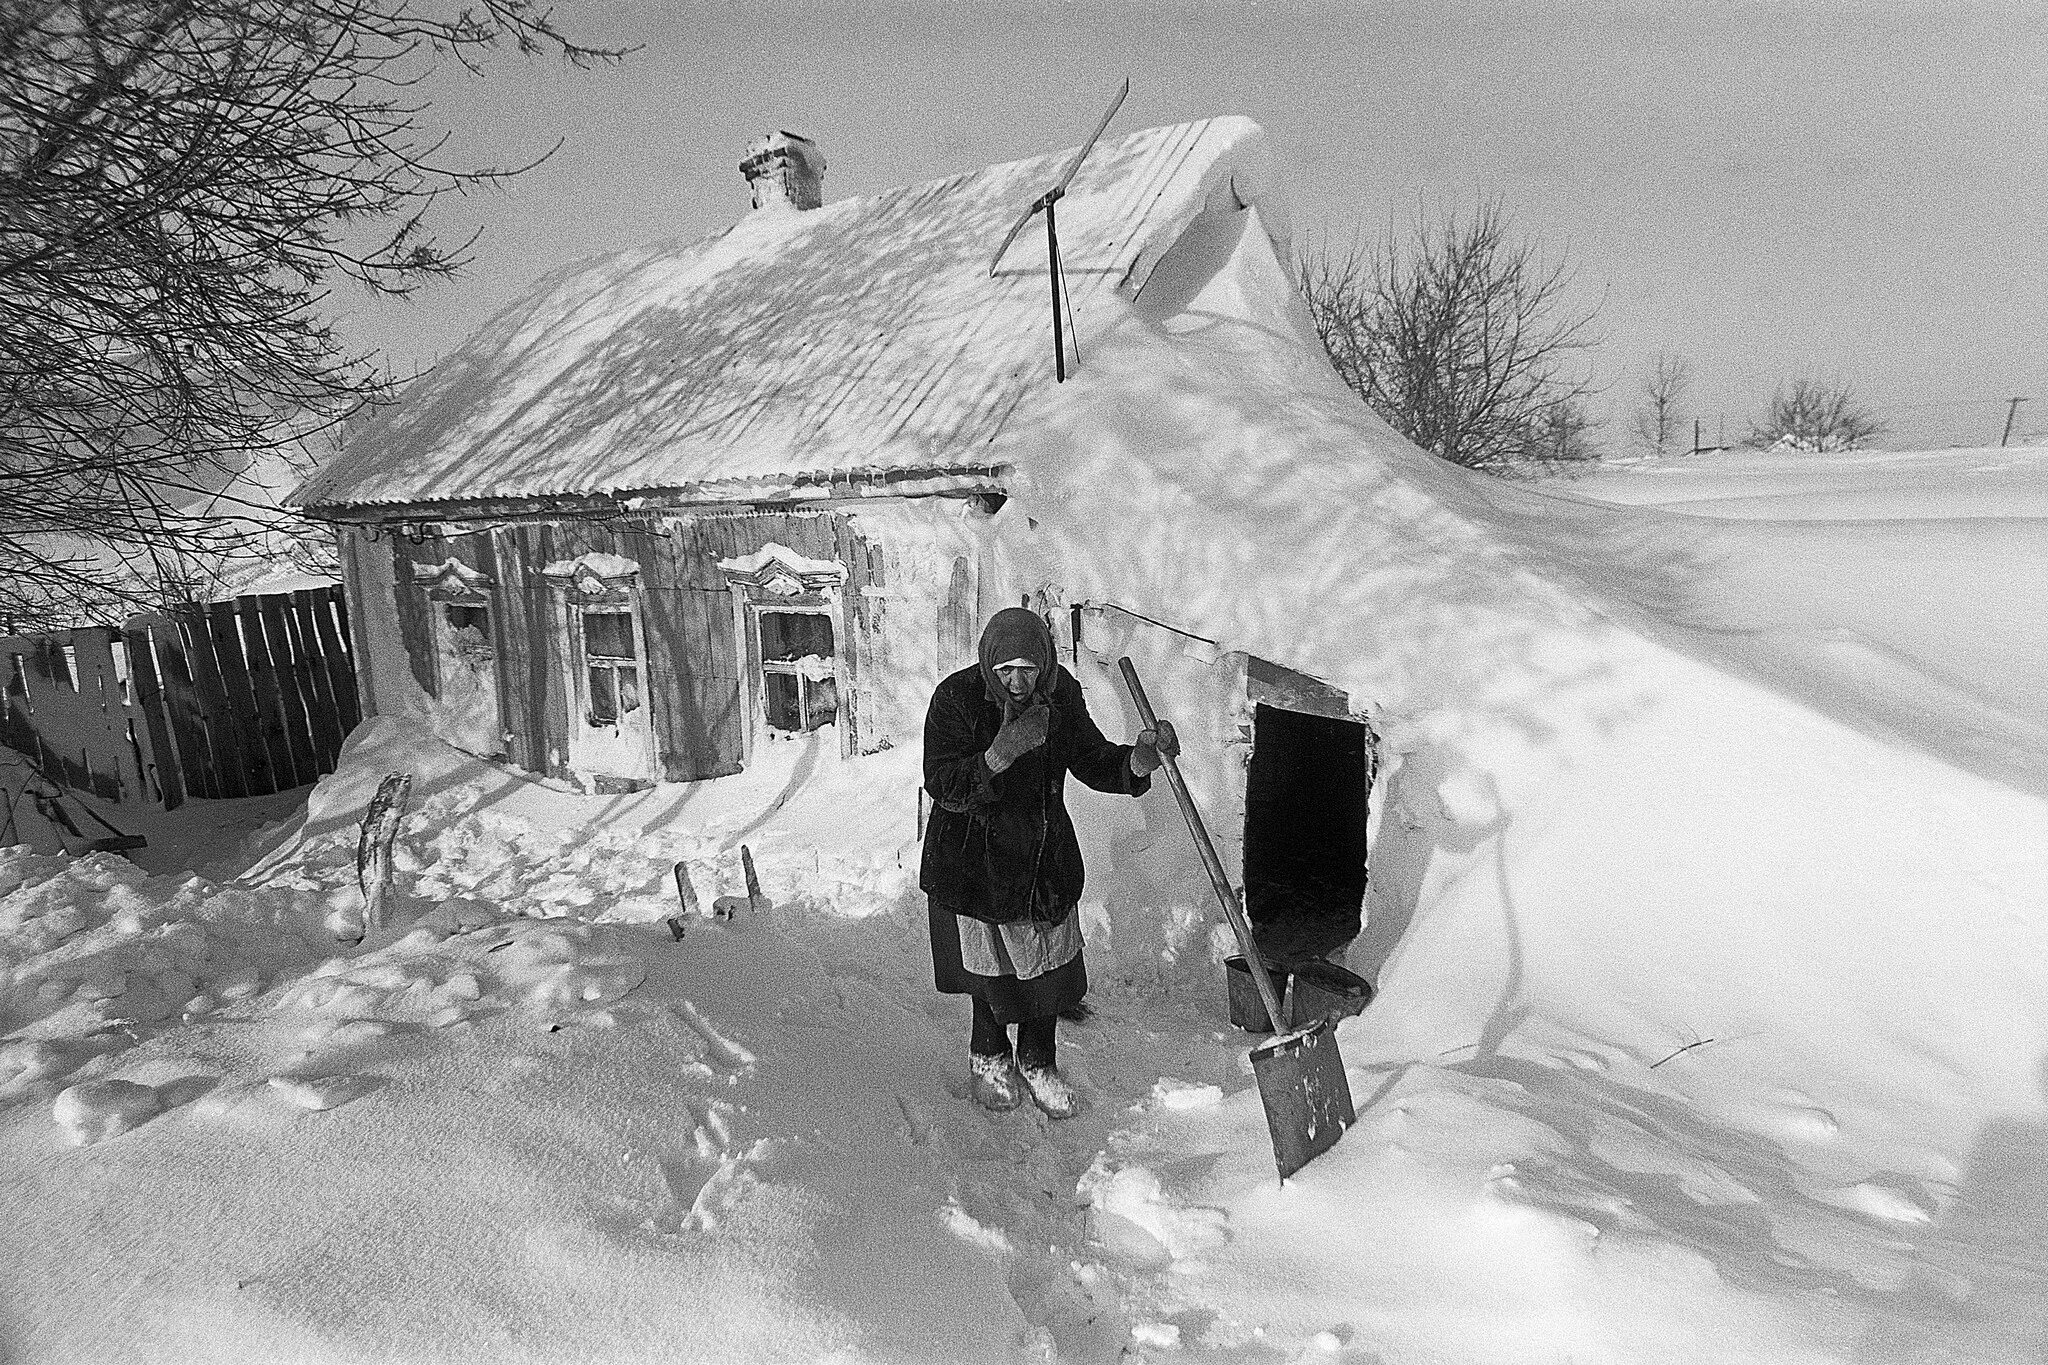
{"x":776,"y":579}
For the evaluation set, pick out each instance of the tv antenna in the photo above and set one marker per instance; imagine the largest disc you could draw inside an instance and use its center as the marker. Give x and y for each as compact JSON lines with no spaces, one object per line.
{"x":1046,"y":203}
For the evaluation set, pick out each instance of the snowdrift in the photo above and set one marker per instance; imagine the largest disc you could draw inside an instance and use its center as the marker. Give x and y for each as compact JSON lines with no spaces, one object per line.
{"x":1705,"y":911}
{"x":1751,"y":805}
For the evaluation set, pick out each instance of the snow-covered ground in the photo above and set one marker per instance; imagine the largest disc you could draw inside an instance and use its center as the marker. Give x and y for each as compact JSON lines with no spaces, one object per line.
{"x":1707,"y":912}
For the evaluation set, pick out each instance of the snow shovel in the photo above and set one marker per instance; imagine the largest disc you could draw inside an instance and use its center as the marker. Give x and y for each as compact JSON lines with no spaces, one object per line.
{"x":1300,"y":1073}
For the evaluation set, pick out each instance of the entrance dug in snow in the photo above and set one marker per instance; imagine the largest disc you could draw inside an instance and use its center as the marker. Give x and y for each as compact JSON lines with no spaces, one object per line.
{"x":1304,"y":832}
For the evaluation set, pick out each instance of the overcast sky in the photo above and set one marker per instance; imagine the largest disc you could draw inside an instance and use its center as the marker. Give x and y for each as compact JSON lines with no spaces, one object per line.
{"x":1854,"y":188}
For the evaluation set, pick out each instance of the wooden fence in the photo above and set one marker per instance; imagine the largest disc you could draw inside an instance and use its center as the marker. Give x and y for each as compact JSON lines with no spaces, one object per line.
{"x":224,"y":699}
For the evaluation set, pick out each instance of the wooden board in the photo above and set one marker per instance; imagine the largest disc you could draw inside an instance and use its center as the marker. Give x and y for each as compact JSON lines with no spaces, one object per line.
{"x":243,"y":720}
{"x":63,"y":705}
{"x":185,"y":707}
{"x":337,"y":651}
{"x":159,"y":749}
{"x":290,"y":684}
{"x":323,"y":713}
{"x":267,"y":691}
{"x":1276,"y":685}
{"x":116,"y":767}
{"x":216,"y":713}
{"x":415,"y":626}
{"x":512,"y":619}
{"x":479,"y":550}
{"x":550,"y":652}
{"x":956,"y":619}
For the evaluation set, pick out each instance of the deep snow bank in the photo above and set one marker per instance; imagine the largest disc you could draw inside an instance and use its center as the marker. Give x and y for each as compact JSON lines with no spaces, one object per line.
{"x":522,"y":1123}
{"x":1596,"y":828}
{"x":1658,"y":804}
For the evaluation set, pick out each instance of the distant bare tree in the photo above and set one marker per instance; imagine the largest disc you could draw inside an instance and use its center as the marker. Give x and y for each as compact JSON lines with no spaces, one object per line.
{"x":1816,"y":415}
{"x":1457,"y":333}
{"x":1659,"y":421}
{"x":1562,"y":435}
{"x":181,"y":183}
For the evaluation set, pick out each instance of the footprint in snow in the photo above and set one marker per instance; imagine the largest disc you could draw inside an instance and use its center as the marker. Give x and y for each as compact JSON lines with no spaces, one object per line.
{"x":719,"y":1048}
{"x":917,"y":1120}
{"x":318,"y":1093}
{"x":706,"y":1179}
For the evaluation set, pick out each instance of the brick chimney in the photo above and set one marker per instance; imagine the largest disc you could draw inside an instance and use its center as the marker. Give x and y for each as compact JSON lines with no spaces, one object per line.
{"x":785,"y":171}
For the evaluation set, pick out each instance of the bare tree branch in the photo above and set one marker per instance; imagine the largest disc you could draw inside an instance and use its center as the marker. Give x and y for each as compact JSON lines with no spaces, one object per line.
{"x":1458,"y":334}
{"x":1815,"y":415}
{"x":1658,"y":423}
{"x":180,"y":181}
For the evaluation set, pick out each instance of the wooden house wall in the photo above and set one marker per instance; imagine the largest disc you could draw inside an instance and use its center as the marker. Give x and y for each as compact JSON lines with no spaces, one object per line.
{"x":694,"y":672}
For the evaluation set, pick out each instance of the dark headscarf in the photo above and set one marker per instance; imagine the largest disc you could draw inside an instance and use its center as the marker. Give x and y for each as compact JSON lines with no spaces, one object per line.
{"x":1017,"y":633}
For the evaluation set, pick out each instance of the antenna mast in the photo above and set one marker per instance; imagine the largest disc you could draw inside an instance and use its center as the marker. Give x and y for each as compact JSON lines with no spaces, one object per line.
{"x":1046,"y":203}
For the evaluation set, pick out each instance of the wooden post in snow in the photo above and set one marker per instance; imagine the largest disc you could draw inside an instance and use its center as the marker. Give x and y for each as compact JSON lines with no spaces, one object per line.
{"x":687,"y":894}
{"x":754,"y":898}
{"x":373,"y":850}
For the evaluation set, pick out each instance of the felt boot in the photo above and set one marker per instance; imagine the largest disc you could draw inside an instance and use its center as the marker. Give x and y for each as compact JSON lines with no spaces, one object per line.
{"x":1050,"y":1092}
{"x":995,"y":1081}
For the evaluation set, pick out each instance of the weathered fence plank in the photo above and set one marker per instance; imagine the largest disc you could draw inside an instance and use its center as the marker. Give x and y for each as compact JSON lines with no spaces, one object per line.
{"x":322,"y":712}
{"x":184,"y":711}
{"x":160,"y":750}
{"x":224,"y":727}
{"x":330,"y":619}
{"x":291,"y":688}
{"x":228,"y":699}
{"x":224,"y":625}
{"x":268,"y":692}
{"x":108,"y":750}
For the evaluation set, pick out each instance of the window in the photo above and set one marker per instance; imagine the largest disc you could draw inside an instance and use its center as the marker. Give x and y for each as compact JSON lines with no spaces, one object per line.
{"x":469,"y":634}
{"x":799,"y":680}
{"x":612,"y":664}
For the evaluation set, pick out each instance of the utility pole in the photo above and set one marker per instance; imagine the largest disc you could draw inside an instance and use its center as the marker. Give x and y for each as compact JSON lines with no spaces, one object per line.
{"x":1695,"y":435}
{"x":2012,"y":410}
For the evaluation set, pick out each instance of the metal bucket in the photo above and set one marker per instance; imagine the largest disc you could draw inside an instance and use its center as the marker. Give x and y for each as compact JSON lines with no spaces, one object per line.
{"x":1322,"y":990}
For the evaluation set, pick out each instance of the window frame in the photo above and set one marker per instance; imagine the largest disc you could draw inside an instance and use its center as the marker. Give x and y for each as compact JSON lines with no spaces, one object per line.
{"x":611,"y":663}
{"x":766,"y":667}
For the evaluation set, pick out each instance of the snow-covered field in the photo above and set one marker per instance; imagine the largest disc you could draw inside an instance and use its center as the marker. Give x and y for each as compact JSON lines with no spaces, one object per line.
{"x":1709,"y":912}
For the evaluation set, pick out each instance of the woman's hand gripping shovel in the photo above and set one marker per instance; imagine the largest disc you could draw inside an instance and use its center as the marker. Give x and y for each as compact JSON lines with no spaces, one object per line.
{"x":1300,"y":1072}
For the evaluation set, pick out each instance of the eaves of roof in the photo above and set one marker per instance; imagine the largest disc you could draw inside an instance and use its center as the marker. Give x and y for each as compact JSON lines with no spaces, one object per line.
{"x":793,"y":348}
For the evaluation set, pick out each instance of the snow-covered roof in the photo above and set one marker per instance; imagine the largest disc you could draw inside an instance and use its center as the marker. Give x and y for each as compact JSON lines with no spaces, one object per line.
{"x":864,"y":338}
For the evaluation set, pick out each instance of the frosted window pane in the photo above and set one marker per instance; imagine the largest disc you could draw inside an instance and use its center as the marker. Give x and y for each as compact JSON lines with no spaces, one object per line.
{"x":787,"y":635}
{"x":608,"y":634}
{"x":822,"y":703}
{"x":780,"y":693}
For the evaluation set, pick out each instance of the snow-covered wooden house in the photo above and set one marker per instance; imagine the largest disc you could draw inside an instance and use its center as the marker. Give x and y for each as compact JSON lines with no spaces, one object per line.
{"x":685,"y":501}
{"x":681,"y":500}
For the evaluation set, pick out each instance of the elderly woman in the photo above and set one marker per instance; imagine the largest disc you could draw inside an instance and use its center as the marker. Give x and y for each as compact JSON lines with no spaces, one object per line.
{"x":1002,"y":870}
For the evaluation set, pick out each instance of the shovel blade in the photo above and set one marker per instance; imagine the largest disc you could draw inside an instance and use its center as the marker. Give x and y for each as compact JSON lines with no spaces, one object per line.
{"x":1306,"y":1094}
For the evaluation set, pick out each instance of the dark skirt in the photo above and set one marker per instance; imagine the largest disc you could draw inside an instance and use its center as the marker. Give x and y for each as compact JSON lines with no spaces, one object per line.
{"x":1011,"y":1001}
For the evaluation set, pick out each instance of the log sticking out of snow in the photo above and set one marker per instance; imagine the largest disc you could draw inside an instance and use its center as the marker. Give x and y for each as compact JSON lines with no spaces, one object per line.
{"x":373,"y":852}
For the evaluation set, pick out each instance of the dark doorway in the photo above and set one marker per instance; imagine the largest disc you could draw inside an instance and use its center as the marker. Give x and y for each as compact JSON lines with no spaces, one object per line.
{"x":1304,"y":832}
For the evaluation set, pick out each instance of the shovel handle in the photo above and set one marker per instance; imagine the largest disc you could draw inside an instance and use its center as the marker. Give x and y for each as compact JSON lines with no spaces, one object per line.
{"x":1232,"y":911}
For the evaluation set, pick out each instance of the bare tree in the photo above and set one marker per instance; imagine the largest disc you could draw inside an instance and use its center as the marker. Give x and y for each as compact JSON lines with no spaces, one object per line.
{"x":1562,"y":435}
{"x":181,"y":183}
{"x":1816,"y":415}
{"x":1457,"y":333}
{"x":1658,"y":423}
